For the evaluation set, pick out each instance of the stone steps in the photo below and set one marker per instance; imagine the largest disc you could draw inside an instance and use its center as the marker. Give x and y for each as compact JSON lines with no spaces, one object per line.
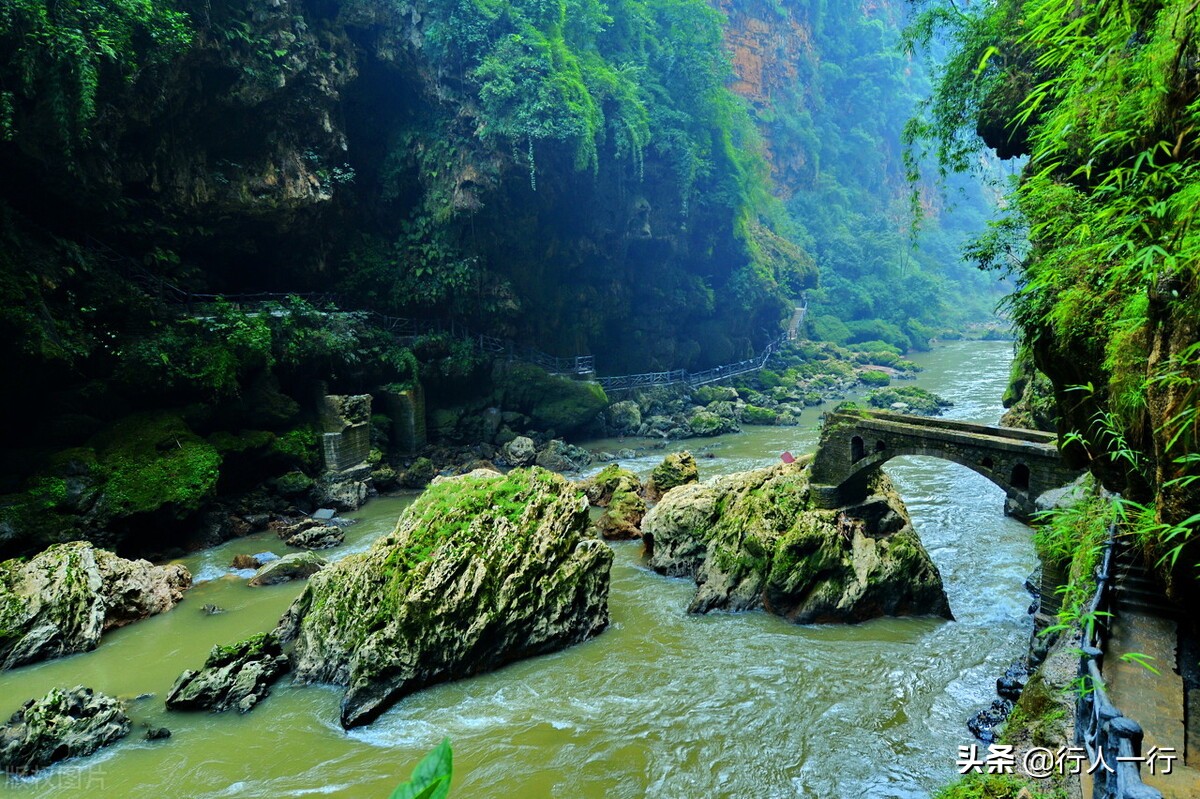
{"x":1137,"y":589}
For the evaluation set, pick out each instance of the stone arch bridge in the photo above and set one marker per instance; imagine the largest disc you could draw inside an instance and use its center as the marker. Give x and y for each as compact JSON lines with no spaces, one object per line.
{"x":1024,"y":463}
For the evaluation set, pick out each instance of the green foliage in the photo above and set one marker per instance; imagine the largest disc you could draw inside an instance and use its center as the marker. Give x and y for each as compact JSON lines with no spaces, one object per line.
{"x":873,"y":378}
{"x":1073,"y":538}
{"x":300,"y":446}
{"x":836,"y":131}
{"x":1100,"y":98}
{"x":62,"y":54}
{"x":153,"y":460}
{"x":994,"y":786}
{"x":431,"y":778}
{"x":829,"y":328}
{"x":917,"y":399}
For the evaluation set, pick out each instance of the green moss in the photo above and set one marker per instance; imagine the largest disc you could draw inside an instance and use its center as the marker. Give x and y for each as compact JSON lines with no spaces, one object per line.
{"x":875,"y":378}
{"x":244,"y":441}
{"x":445,"y":511}
{"x":675,"y":470}
{"x":756,"y":415}
{"x":1074,"y":537}
{"x":256,"y":647}
{"x":551,"y":401}
{"x":152,"y":460}
{"x":993,"y":786}
{"x":300,"y":446}
{"x":917,"y":399}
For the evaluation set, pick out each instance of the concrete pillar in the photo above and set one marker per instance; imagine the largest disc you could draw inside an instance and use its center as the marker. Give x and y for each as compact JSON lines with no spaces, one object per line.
{"x":406,"y":409}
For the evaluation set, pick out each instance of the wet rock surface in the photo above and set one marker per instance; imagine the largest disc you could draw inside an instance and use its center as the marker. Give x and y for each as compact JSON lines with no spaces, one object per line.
{"x":481,"y":570}
{"x":62,"y":600}
{"x":60,"y":725}
{"x":234,"y":677}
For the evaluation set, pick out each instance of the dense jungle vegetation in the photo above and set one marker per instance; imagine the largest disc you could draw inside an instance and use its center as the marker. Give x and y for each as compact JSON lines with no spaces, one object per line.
{"x":1104,"y":101}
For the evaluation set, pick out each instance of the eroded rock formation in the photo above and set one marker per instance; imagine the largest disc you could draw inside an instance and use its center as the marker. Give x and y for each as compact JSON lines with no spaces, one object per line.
{"x":60,"y":725}
{"x":61,"y":601}
{"x":754,"y":539}
{"x":481,"y":570}
{"x":236,"y":676}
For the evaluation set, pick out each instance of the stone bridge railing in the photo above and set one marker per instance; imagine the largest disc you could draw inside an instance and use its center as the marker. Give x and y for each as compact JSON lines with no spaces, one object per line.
{"x":1099,"y":726}
{"x":1024,"y":463}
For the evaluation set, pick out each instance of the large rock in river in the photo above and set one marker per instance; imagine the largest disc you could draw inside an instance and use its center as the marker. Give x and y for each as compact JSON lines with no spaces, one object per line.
{"x":60,"y":725}
{"x":236,"y":676}
{"x":62,"y":600}
{"x":481,"y":570}
{"x":754,"y":539}
{"x":678,"y":468}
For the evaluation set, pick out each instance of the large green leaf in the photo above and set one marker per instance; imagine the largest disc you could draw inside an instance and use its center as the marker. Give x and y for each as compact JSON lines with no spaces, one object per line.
{"x":431,"y":778}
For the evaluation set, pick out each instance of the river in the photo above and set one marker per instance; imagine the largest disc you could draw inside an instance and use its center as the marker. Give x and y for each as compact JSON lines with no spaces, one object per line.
{"x":661,"y":704}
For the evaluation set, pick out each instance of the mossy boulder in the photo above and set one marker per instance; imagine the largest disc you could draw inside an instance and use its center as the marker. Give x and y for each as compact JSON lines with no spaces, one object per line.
{"x":754,"y":539}
{"x":147,"y":463}
{"x":622,"y":516}
{"x":481,"y":570}
{"x":62,"y":724}
{"x":709,"y":394}
{"x":609,"y":481}
{"x":678,"y":468}
{"x":907,"y":399}
{"x":616,"y":490}
{"x":552,"y":402}
{"x":292,"y":484}
{"x":559,"y":456}
{"x":237,"y":676}
{"x":61,"y":601}
{"x":418,"y":474}
{"x":624,"y":418}
{"x":293,"y":566}
{"x":705,"y":424}
{"x":752,"y":414}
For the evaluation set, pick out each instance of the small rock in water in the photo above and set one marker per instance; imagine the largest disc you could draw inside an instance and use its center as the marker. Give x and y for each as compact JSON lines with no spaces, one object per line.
{"x":60,"y":725}
{"x":211,"y":610}
{"x":984,"y":723}
{"x":295,"y":566}
{"x":157,"y":733}
{"x":245,"y":562}
{"x":1013,"y":682}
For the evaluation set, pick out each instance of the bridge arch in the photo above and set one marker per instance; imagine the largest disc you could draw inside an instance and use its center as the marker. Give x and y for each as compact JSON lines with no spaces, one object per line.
{"x":1023,"y":463}
{"x":871,"y":461}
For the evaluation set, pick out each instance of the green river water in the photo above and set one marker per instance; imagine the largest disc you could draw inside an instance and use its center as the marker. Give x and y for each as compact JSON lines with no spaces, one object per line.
{"x":662,"y":704}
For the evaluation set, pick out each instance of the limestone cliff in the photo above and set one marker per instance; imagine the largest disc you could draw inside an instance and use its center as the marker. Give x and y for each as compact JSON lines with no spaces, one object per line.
{"x":753,"y":539}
